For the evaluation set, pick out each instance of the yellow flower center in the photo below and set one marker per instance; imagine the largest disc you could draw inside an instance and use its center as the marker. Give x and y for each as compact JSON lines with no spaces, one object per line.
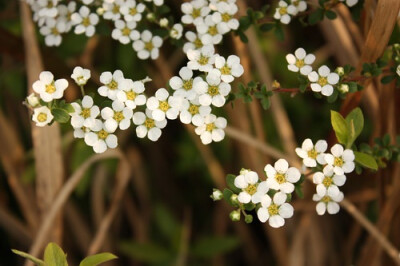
{"x":327,"y":181}
{"x":338,"y":162}
{"x":203,"y":60}
{"x":193,"y":109}
{"x":54,"y":31}
{"x":112,"y":85}
{"x":149,"y":123}
{"x":280,"y":178}
{"x":198,"y":43}
{"x":322,"y":81}
{"x":50,"y":88}
{"x":118,"y":116}
{"x":86,"y":22}
{"x":132,"y":11}
{"x":299,"y":63}
{"x":42,"y":117}
{"x":188,"y":84}
{"x":226,"y":17}
{"x":115,"y":9}
{"x":50,"y":4}
{"x":164,"y":106}
{"x":130,"y":95}
{"x":225,"y":70}
{"x":283,"y":10}
{"x":312,"y":154}
{"x":126,"y":31}
{"x":213,"y":90}
{"x":326,"y":199}
{"x":102,"y":134}
{"x":210,"y":127}
{"x":148,"y":46}
{"x":213,"y":30}
{"x":196,"y":13}
{"x":251,"y":189}
{"x":85,"y":113}
{"x":273,"y":209}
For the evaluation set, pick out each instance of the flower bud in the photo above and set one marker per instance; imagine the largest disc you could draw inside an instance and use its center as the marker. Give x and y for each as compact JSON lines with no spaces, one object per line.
{"x":234,"y":200}
{"x":344,"y":88}
{"x":151,"y":16}
{"x":235,"y":215}
{"x":396,"y":46}
{"x":248,"y":219}
{"x":340,"y":71}
{"x":217,"y":194}
{"x":32,"y":100}
{"x":163,"y":22}
{"x":398,"y":70}
{"x":244,"y":171}
{"x":100,"y":11}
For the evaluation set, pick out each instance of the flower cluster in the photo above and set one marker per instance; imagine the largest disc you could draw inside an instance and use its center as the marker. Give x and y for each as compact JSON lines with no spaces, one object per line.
{"x":331,"y":170}
{"x":285,"y":11}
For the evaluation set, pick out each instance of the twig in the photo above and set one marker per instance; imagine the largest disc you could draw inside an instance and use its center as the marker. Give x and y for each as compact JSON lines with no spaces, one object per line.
{"x":62,"y":197}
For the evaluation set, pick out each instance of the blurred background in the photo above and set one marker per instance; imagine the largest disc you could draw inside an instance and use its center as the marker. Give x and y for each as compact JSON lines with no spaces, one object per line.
{"x":153,"y":207}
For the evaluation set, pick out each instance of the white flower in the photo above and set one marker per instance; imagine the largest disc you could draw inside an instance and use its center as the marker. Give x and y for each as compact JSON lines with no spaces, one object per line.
{"x":398,"y":70}
{"x":112,"y":83}
{"x":100,"y":138}
{"x":112,"y":9}
{"x":184,"y":85}
{"x":214,"y":91}
{"x":156,"y":2}
{"x":224,"y":16}
{"x":119,"y":115}
{"x":300,"y":5}
{"x":275,"y":210}
{"x":147,"y":126}
{"x":148,"y":45}
{"x":212,"y":129}
{"x":85,"y":114}
{"x":80,"y":132}
{"x":42,"y":116}
{"x":132,"y":11}
{"x":194,"y":42}
{"x":350,"y":3}
{"x":328,"y":182}
{"x":176,"y":31}
{"x":312,"y":154}
{"x":284,"y":12}
{"x":52,"y":31}
{"x":162,"y":105}
{"x":194,"y":11}
{"x":48,"y":88}
{"x":323,"y":80}
{"x":193,"y":112}
{"x":124,"y":32}
{"x":80,"y":75}
{"x":210,"y":31}
{"x":300,"y":61}
{"x":229,"y":68}
{"x":328,"y":203}
{"x":131,"y":93}
{"x":48,"y":8}
{"x":281,"y":177}
{"x":64,"y":14}
{"x":247,"y":182}
{"x":341,"y":160}
{"x":32,"y":100}
{"x":163,"y":22}
{"x":201,"y":59}
{"x":85,"y":21}
{"x":262,"y":189}
{"x":214,"y":3}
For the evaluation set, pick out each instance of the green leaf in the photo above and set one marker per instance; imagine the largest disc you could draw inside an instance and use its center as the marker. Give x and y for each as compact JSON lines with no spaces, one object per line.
{"x":355,"y":124}
{"x":330,"y":14}
{"x":299,"y":191}
{"x":54,"y":255}
{"x":387,"y":79}
{"x":167,"y":224}
{"x":37,"y":261}
{"x":316,"y":16}
{"x":267,"y":27}
{"x":230,"y":181}
{"x":243,"y":37}
{"x":145,"y":252}
{"x":366,"y":160}
{"x":97,"y":259}
{"x":339,"y":125}
{"x":227,"y":196}
{"x":278,"y":32}
{"x":208,"y":247}
{"x":60,"y":115}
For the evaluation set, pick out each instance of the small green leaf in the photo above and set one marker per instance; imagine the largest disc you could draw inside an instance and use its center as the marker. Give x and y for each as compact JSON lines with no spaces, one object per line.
{"x":299,"y":191}
{"x":37,"y":261}
{"x":208,"y":247}
{"x":267,"y":27}
{"x":243,"y":37}
{"x":366,"y":160}
{"x":330,"y":14}
{"x":227,"y":196}
{"x":278,"y":32}
{"x":339,"y":125}
{"x":97,"y":259}
{"x":355,"y":124}
{"x":248,"y":219}
{"x":60,"y":115}
{"x":230,"y":181}
{"x":387,"y":79}
{"x":316,"y":16}
{"x":54,"y":255}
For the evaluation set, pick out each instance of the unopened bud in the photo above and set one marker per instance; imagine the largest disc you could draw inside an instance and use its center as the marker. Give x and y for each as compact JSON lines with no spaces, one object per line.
{"x":276,"y":84}
{"x":32,"y":100}
{"x":234,"y":200}
{"x":235,"y":216}
{"x":163,"y":22}
{"x":151,"y":17}
{"x":100,"y":11}
{"x":340,"y":71}
{"x":217,"y":194}
{"x":344,"y":88}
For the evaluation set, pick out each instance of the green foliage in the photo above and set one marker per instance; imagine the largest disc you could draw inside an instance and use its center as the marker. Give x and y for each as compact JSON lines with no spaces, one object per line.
{"x":54,"y":256}
{"x":366,"y":160}
{"x":339,"y":126}
{"x":208,"y":247}
{"x":37,"y":261}
{"x":145,"y":252}
{"x":97,"y":259}
{"x":316,"y":16}
{"x":230,"y":181}
{"x":371,"y":69}
{"x":383,"y":150}
{"x":264,"y":96}
{"x":347,"y":130}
